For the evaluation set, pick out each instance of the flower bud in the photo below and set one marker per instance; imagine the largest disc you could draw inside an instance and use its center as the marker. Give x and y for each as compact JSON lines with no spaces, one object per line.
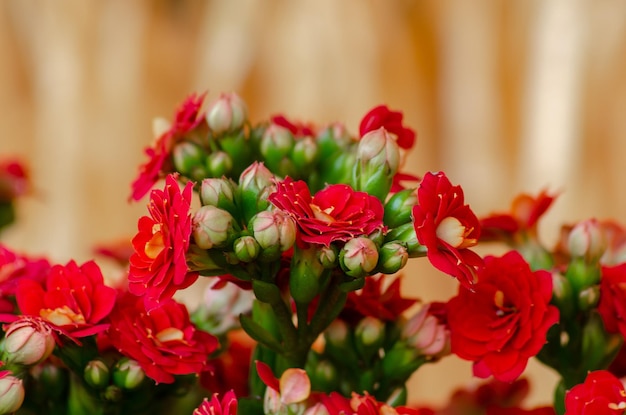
{"x":358,"y":257}
{"x":219,"y":193}
{"x":127,"y":374}
{"x":304,"y":277}
{"x":399,"y":207}
{"x":188,"y":158}
{"x":378,"y":159}
{"x":562,"y":295}
{"x":327,"y":256}
{"x":276,"y":143}
{"x":228,"y":113}
{"x":274,"y":229}
{"x":587,"y":240}
{"x":332,"y":139}
{"x":96,"y":374}
{"x":220,"y":307}
{"x":28,"y":341}
{"x":393,"y":257}
{"x":246,"y":248}
{"x":11,"y":393}
{"x":255,"y":182}
{"x":588,"y":298}
{"x":212,"y":227}
{"x":304,"y":154}
{"x":112,"y":393}
{"x":406,"y":235}
{"x":219,"y":164}
{"x":369,"y":335}
{"x":581,"y":274}
{"x":426,"y":334}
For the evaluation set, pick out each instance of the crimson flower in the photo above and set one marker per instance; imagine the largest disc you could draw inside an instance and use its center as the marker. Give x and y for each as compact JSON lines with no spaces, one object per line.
{"x":163,"y":340}
{"x":227,"y":406}
{"x":612,"y":305}
{"x":381,"y":116}
{"x":335,"y":213}
{"x":337,"y":404}
{"x":73,"y":298}
{"x":14,"y":181}
{"x":298,"y":129}
{"x":185,"y":120}
{"x":15,"y":267}
{"x":601,"y":394}
{"x":447,"y":227}
{"x":158,"y":267}
{"x":503,"y":321}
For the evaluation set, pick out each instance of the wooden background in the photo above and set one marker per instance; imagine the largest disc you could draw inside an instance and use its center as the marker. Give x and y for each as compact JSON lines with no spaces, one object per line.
{"x":507,"y":96}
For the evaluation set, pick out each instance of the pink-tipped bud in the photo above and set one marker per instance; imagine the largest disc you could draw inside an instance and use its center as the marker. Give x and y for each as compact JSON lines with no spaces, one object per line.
{"x":11,"y":393}
{"x":426,"y":334}
{"x":219,"y":193}
{"x":219,"y":164}
{"x":212,"y":227}
{"x":274,"y":229}
{"x":378,"y":148}
{"x":370,"y":336}
{"x":28,"y":341}
{"x":358,"y":257}
{"x":587,"y":240}
{"x":393,"y":257}
{"x":228,"y":113}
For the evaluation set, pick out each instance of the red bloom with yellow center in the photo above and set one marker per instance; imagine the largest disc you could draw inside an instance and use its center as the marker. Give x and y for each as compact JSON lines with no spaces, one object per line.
{"x":335,"y":213}
{"x":163,"y":340}
{"x":158,"y":267}
{"x":381,"y":116}
{"x":447,"y":227}
{"x":503,"y":321}
{"x":185,"y":120}
{"x":72,"y":298}
{"x":601,"y":394}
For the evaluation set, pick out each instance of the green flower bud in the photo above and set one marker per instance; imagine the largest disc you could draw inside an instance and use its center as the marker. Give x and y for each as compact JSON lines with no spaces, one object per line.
{"x":96,"y":374}
{"x":328,"y":256}
{"x":304,"y":155}
{"x":399,"y":207}
{"x":246,"y":248}
{"x":305,"y":273}
{"x":112,"y":393}
{"x":255,"y":183}
{"x":369,"y":337}
{"x":127,"y":374}
{"x":378,"y":159}
{"x":393,"y":256}
{"x":358,"y":257}
{"x":228,"y":113}
{"x":274,"y":229}
{"x":587,"y":240}
{"x":219,"y":193}
{"x":276,"y":144}
{"x":588,"y":298}
{"x":406,"y":235}
{"x":212,"y":227}
{"x":562,"y":295}
{"x":188,"y":157}
{"x":219,"y":164}
{"x":582,"y":274}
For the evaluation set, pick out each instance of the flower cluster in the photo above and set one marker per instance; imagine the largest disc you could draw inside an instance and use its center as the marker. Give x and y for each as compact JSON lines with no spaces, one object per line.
{"x":304,"y":231}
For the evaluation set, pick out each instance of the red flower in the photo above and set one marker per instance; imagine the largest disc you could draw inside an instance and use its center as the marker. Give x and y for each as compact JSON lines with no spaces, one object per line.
{"x":612,"y":305}
{"x":15,"y":267}
{"x":381,"y":116}
{"x":366,"y":404}
{"x":163,"y":340}
{"x":227,"y":406}
{"x":74,"y":298}
{"x":336,"y":213}
{"x":375,"y":300}
{"x":600,"y":394}
{"x":298,"y":129}
{"x":158,"y":267}
{"x":447,"y":227}
{"x":158,"y":164}
{"x":14,"y":180}
{"x":526,"y":211}
{"x":503,"y":322}
{"x":544,"y":410}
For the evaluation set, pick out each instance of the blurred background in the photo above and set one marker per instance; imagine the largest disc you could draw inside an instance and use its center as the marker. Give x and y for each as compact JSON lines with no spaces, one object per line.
{"x":506,"y":96}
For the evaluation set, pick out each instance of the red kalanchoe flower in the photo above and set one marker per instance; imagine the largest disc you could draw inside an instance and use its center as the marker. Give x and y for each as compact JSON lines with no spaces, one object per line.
{"x":381,"y":116}
{"x":185,"y":120}
{"x":503,"y":321}
{"x":163,"y":340}
{"x":158,"y":267}
{"x":526,"y":211}
{"x":447,"y":227}
{"x":298,"y":129}
{"x":377,"y":299}
{"x":337,"y":404}
{"x":335,"y":213}
{"x":74,"y":298}
{"x":612,"y":305}
{"x":15,"y":267}
{"x":14,"y":180}
{"x":601,"y":394}
{"x":227,"y":406}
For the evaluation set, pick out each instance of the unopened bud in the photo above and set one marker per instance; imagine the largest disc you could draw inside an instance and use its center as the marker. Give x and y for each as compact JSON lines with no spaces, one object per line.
{"x":304,"y":154}
{"x":406,"y":234}
{"x":588,"y":298}
{"x":127,"y":374}
{"x":358,"y":257}
{"x":212,"y":227}
{"x":426,"y":334}
{"x":255,"y":182}
{"x":246,"y":248}
{"x":188,"y":158}
{"x":378,"y":159}
{"x":219,"y":164}
{"x":97,"y":374}
{"x":228,"y":113}
{"x":587,"y":240}
{"x":328,"y":256}
{"x":276,"y":143}
{"x":11,"y":393}
{"x":399,"y":207}
{"x":28,"y":341}
{"x":562,"y":294}
{"x":274,"y":229}
{"x":369,"y":335}
{"x":393,"y":257}
{"x":219,"y":193}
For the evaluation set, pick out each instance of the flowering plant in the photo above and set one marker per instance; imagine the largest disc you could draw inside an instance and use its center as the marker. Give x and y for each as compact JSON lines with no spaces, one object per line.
{"x":302,"y":232}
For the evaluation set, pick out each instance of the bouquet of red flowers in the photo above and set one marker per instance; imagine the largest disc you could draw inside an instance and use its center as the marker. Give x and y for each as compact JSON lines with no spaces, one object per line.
{"x":303,"y":231}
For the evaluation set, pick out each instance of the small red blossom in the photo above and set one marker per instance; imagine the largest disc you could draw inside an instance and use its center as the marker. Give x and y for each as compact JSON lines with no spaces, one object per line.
{"x":163,"y":340}
{"x":601,"y":394}
{"x":15,"y":267}
{"x":73,"y":298}
{"x":523,"y":217}
{"x":503,"y":321}
{"x":612,"y":305}
{"x":337,"y":404}
{"x":335,"y":213}
{"x":227,"y":406}
{"x":298,"y":129}
{"x":158,"y":267}
{"x":447,"y":227}
{"x":14,"y":181}
{"x":381,"y":116}
{"x":158,"y":165}
{"x":378,"y":298}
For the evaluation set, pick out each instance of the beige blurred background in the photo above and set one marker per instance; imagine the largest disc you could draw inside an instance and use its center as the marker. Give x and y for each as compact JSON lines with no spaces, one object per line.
{"x":507,"y":96}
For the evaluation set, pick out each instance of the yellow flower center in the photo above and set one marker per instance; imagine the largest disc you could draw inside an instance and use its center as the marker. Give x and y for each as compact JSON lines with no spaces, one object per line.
{"x":62,"y":316}
{"x":155,"y":245}
{"x":170,"y":334}
{"x":323,"y":215}
{"x":451,"y":231}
